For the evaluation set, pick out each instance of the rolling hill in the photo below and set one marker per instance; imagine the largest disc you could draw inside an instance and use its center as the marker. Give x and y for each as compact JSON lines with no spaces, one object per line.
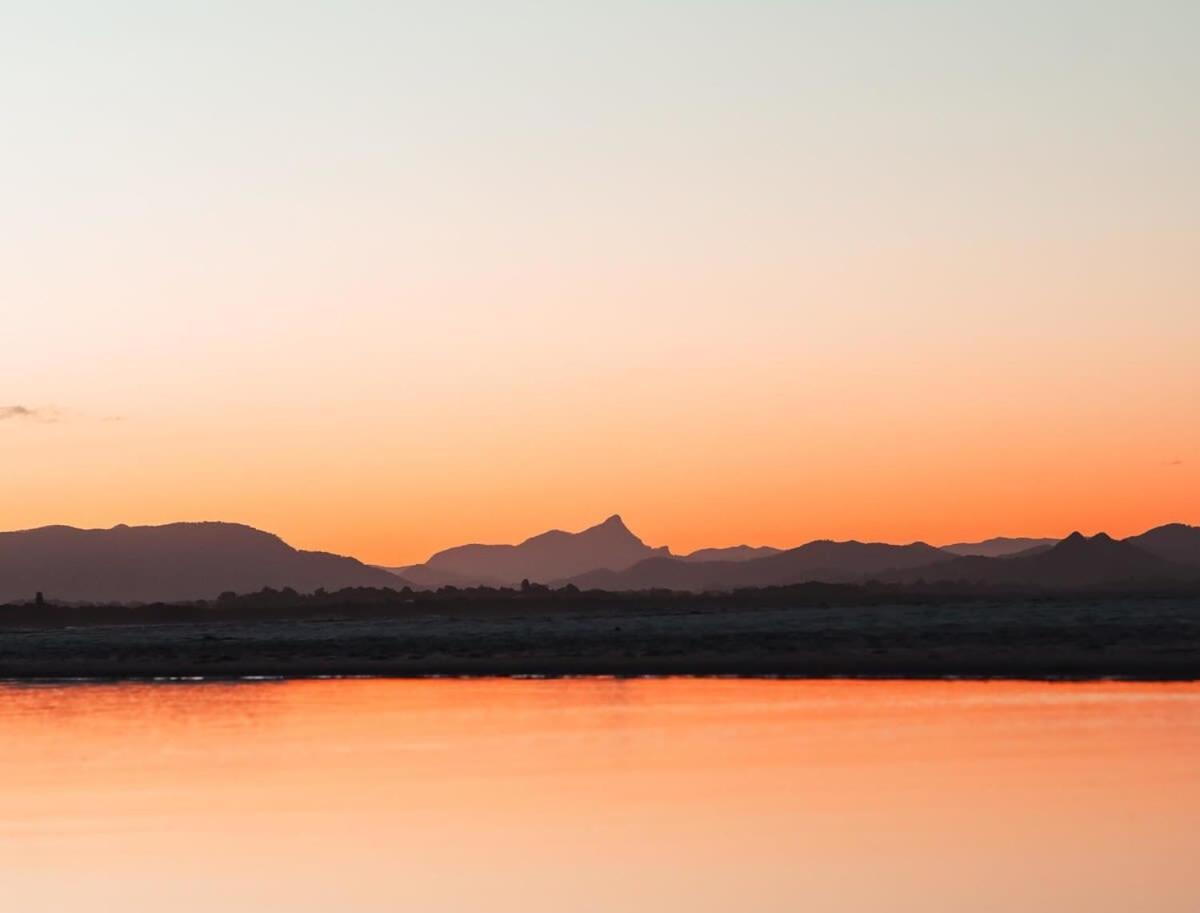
{"x":731,"y":553}
{"x":1176,"y":542}
{"x":173,"y":563}
{"x":999,"y":547}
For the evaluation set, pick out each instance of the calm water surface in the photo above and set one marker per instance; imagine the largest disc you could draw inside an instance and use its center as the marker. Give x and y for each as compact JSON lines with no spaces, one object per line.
{"x":600,"y":795}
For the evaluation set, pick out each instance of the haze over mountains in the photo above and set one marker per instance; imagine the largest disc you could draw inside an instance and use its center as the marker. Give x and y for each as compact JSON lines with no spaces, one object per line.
{"x":825,"y":561}
{"x":998,"y":547}
{"x":198,"y":561}
{"x":732,"y":553}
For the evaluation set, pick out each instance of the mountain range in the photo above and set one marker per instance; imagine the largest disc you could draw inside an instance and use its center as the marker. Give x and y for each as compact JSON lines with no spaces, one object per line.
{"x":195,"y":561}
{"x":1168,"y":554}
{"x":618,"y":560}
{"x":1076,"y":561}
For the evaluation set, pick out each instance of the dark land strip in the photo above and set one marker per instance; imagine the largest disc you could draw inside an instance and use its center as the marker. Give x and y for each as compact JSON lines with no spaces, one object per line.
{"x":825,"y":633}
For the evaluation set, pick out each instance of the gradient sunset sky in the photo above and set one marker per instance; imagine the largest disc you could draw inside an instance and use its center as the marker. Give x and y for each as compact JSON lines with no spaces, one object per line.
{"x":385,"y":277}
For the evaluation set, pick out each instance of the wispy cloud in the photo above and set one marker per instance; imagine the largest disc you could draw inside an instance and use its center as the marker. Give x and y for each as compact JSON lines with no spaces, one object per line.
{"x":27,"y":414}
{"x":1174,"y":462}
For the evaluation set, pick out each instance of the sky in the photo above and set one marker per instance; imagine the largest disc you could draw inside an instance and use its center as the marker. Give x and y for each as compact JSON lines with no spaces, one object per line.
{"x":384,"y":278}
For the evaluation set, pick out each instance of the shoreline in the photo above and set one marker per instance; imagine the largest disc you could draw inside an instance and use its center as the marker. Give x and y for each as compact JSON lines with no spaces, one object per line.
{"x":1127,"y":638}
{"x":40,"y":678}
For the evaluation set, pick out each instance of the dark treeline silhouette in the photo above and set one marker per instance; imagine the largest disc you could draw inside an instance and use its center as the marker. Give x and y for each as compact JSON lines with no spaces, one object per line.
{"x":534,"y":599}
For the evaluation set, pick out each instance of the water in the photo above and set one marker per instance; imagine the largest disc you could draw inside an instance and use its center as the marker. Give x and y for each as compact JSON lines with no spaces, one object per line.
{"x":600,"y":795}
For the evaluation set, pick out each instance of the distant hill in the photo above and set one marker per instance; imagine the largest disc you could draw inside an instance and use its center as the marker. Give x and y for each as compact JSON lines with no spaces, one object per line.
{"x":822,"y":561}
{"x":422,"y":576}
{"x":177,"y":562}
{"x":1077,"y":561}
{"x":551,"y":556}
{"x":1175,"y":542}
{"x":731,"y":553}
{"x":998,"y":547}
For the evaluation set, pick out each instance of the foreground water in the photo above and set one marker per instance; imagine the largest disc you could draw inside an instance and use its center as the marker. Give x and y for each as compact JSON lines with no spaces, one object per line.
{"x":600,"y":795}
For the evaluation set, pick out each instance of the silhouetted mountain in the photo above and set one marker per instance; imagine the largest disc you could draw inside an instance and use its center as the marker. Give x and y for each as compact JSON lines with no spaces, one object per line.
{"x":732,"y":553}
{"x":822,"y":561}
{"x":177,"y":562}
{"x":1076,"y":561}
{"x":554,"y":555}
{"x":1175,"y":542}
{"x":999,"y":546}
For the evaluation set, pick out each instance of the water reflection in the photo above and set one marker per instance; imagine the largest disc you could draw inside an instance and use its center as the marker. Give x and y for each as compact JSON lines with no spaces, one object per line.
{"x":593,"y":795}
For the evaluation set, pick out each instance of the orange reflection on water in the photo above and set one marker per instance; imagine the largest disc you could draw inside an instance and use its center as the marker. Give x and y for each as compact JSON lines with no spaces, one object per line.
{"x":599,"y":794}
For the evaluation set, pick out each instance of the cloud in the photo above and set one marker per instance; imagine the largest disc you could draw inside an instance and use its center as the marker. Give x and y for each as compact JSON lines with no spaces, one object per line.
{"x":45,"y":415}
{"x":1174,"y":462}
{"x":25,"y":413}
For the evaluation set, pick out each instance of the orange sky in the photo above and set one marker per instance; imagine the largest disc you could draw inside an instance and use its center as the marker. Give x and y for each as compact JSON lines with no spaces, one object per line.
{"x":384,"y":285}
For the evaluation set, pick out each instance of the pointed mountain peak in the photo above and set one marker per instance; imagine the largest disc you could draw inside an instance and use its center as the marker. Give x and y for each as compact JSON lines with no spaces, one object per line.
{"x":612,"y":529}
{"x":549,"y":556}
{"x":1077,"y":539}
